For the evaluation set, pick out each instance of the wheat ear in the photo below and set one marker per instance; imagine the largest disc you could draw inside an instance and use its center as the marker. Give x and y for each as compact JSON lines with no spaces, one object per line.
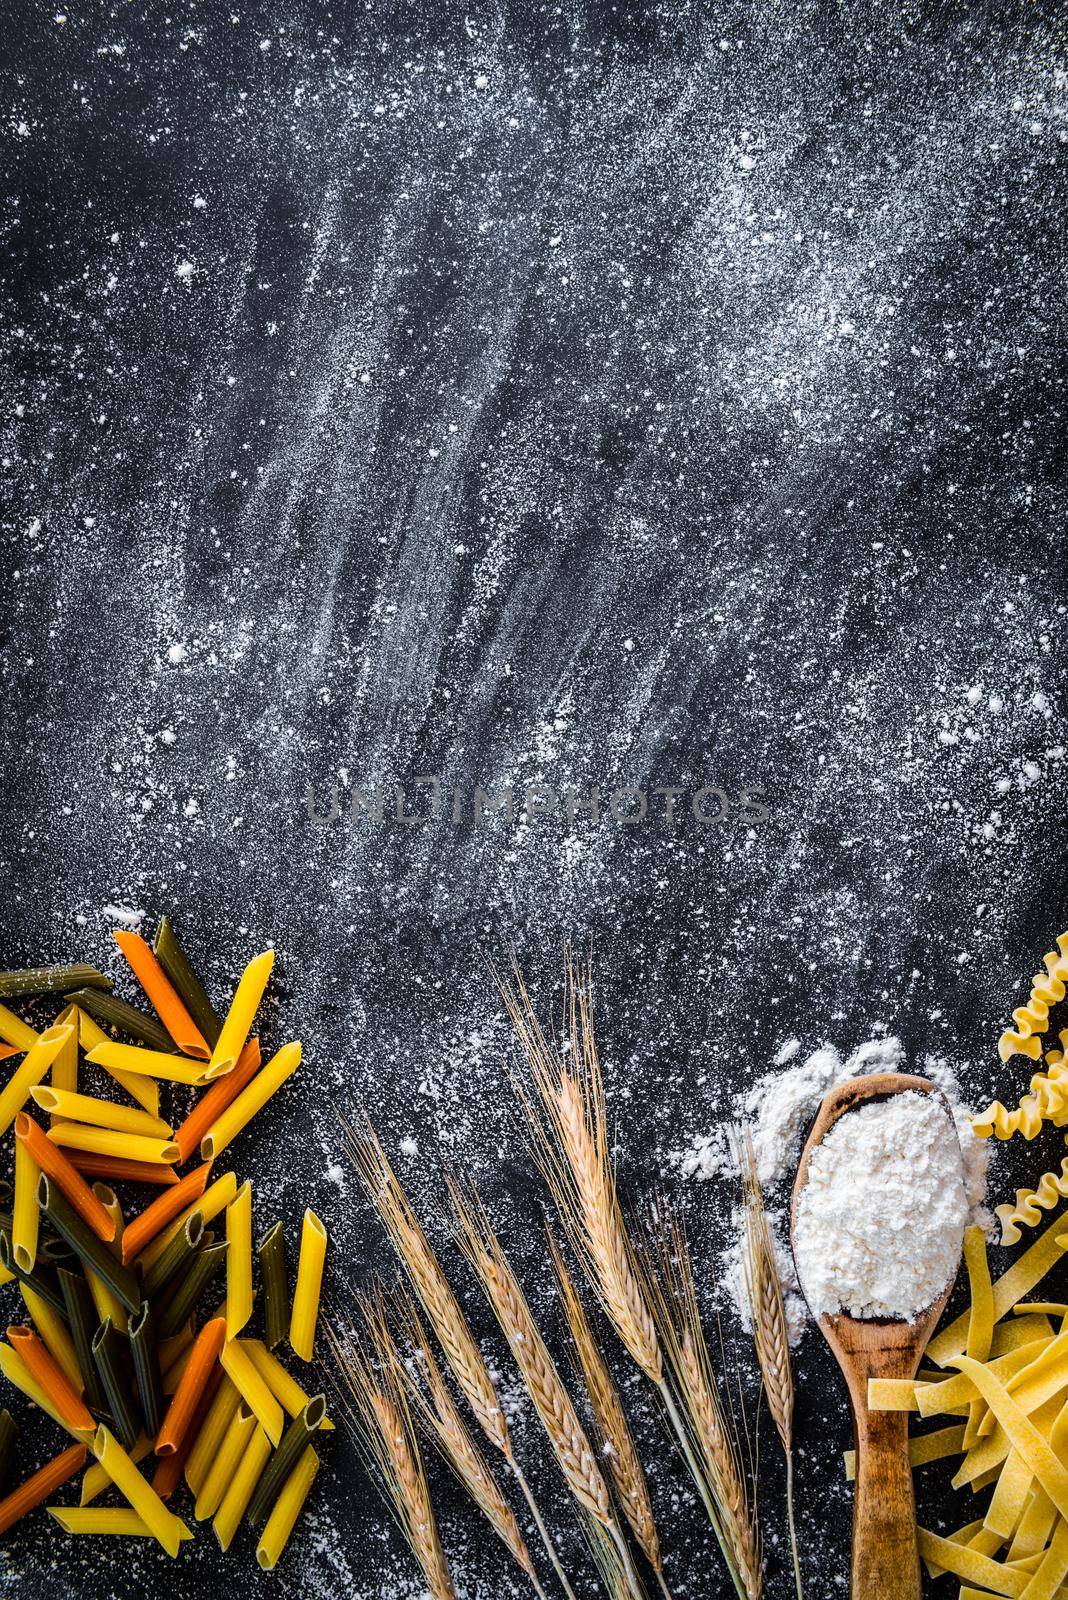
{"x":616,"y":1440}
{"x":767,"y":1316}
{"x":441,"y":1419}
{"x":442,"y":1308}
{"x":571,"y":1447}
{"x":382,"y":1425}
{"x":569,"y":1138}
{"x":709,"y":1440}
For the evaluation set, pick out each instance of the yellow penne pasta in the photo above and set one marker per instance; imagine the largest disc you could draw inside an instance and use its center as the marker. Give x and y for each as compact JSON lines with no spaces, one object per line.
{"x":25,"y":1217}
{"x":53,"y":1331}
{"x":105,"y":1519}
{"x":239,"y":1018}
{"x":16,"y":1371}
{"x":248,"y":1474}
{"x":211,"y":1435}
{"x":64,"y":1074}
{"x":165,"y":1526}
{"x":109,"y":1142}
{"x":238,"y":1265}
{"x":251,"y":1099}
{"x":100,"y":1113}
{"x":132,"y":1058}
{"x":242,"y":1426}
{"x":14,"y":1031}
{"x":241,"y":1370}
{"x":287,"y":1509}
{"x":309,"y":1286}
{"x":144,"y":1090}
{"x":215,"y":1199}
{"x":32,"y":1068}
{"x":286,"y":1390}
{"x":95,"y":1480}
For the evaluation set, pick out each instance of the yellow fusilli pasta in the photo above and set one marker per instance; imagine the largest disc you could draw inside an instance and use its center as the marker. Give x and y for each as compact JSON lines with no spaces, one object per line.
{"x":1047,"y":989}
{"x":1050,"y":1190}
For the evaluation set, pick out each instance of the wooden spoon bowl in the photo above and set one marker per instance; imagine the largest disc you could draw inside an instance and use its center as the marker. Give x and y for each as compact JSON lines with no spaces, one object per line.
{"x":885,"y":1561}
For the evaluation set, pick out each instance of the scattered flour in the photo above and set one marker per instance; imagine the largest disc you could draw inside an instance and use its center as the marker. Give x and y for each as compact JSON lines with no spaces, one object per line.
{"x":779,"y":1109}
{"x":881,"y":1219}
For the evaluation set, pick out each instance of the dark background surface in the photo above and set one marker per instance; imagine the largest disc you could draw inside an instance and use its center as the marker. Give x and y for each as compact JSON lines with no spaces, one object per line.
{"x":584,"y":397}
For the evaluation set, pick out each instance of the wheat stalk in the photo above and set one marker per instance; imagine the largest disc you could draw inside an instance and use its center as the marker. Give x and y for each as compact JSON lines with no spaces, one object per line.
{"x":617,"y":1442}
{"x":382,"y":1425}
{"x":442,"y":1420}
{"x":767,"y":1316}
{"x":569,"y":1132}
{"x":442,"y":1308}
{"x":709,"y":1441}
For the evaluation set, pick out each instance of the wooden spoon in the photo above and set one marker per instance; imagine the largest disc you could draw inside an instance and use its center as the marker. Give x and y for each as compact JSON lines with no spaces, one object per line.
{"x":886,"y":1560}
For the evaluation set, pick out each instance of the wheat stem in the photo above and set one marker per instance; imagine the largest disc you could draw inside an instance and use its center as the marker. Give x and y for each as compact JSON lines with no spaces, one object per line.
{"x":682,"y":1434}
{"x":790,"y":1520}
{"x":543,"y":1532}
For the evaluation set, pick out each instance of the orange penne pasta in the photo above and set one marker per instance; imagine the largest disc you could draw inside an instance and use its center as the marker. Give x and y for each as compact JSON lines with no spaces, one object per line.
{"x":216,"y":1099}
{"x":50,"y":1477}
{"x":73,"y":1411}
{"x":168,"y":1473}
{"x":52,"y":1160}
{"x":119,"y":1167}
{"x":163,"y":1210}
{"x":164,"y":997}
{"x":203,"y":1357}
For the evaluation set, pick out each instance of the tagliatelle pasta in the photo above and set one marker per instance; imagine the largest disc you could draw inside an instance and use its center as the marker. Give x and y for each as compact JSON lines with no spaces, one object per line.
{"x":1026,"y":1271}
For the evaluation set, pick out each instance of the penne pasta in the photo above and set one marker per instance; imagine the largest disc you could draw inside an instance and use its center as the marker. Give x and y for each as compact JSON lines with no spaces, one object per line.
{"x":165,"y":1526}
{"x":168,"y":1473}
{"x":53,"y":1331}
{"x":239,"y":1019}
{"x":287,"y":1509}
{"x":238,"y":1263}
{"x":162,"y":995}
{"x":109,"y":1351}
{"x":53,"y":1163}
{"x":214,"y":1101}
{"x":50,"y":980}
{"x":82,"y":1320}
{"x":229,"y":1515}
{"x":242,"y":1426}
{"x":163,"y":1210}
{"x":31,"y":1069}
{"x":43,"y":1483}
{"x":94,"y":1254}
{"x":241,"y":1370}
{"x":309,"y":1287}
{"x":141,"y":1332}
{"x":25,"y":1217}
{"x":104,"y":1520}
{"x":100,"y":1113}
{"x":252,"y":1098}
{"x":108,"y":1142}
{"x":215,"y":1199}
{"x":210,"y":1436}
{"x":17,"y":1033}
{"x":295,"y":1440}
{"x":118,"y":1171}
{"x":144,"y":1090}
{"x":286,"y":1390}
{"x":205,"y":1353}
{"x":16,"y":1372}
{"x":64,"y":1073}
{"x":66,"y":1402}
{"x":275,"y":1286}
{"x":176,"y":1258}
{"x":133,"y":1059}
{"x":95,"y":1480}
{"x":113,"y":1013}
{"x":36,"y":1279}
{"x":176,"y":964}
{"x":202,"y":1269}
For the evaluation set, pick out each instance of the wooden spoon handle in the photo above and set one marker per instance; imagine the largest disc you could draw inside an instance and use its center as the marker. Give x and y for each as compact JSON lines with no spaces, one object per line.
{"x":885,"y":1556}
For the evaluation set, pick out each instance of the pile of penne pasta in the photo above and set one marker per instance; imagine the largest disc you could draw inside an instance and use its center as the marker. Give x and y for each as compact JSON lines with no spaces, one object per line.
{"x":121,"y":1344}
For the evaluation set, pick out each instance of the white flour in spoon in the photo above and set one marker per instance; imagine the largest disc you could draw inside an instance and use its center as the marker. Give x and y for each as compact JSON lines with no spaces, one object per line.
{"x":880,"y":1221}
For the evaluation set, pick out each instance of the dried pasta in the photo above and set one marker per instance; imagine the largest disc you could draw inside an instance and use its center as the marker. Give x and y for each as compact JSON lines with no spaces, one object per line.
{"x":1048,"y":1193}
{"x":1032,"y":1019}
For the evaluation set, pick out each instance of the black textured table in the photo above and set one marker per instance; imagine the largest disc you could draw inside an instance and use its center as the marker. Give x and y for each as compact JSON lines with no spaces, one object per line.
{"x":400,"y":404}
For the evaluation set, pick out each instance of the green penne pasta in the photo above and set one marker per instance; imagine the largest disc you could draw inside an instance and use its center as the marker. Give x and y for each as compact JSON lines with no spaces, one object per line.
{"x":293,"y":1443}
{"x":142,"y":1336}
{"x":40,"y":1281}
{"x":175,"y":1258}
{"x":111,"y":1354}
{"x":203,"y":1268}
{"x":175,"y":963}
{"x":115,"y":1013}
{"x":51,"y":980}
{"x":275,"y":1286}
{"x":9,"y":1432}
{"x":82,"y":1321}
{"x":85,"y":1244}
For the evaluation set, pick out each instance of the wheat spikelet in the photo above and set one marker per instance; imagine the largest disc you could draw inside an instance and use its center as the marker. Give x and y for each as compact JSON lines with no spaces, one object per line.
{"x":617,"y":1442}
{"x":713,"y":1439}
{"x":442,"y":1420}
{"x":429,"y":1282}
{"x":551,"y":1400}
{"x":382,"y":1425}
{"x":569,"y":1131}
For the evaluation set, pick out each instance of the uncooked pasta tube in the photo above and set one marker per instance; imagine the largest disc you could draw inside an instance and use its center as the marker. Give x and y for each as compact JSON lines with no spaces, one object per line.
{"x":309,"y":1286}
{"x":287,"y":1509}
{"x":243,"y":1007}
{"x":239,"y":1261}
{"x":281,"y":1066}
{"x":163,"y":997}
{"x":32,"y":1068}
{"x":165,"y":1526}
{"x":41,"y":1485}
